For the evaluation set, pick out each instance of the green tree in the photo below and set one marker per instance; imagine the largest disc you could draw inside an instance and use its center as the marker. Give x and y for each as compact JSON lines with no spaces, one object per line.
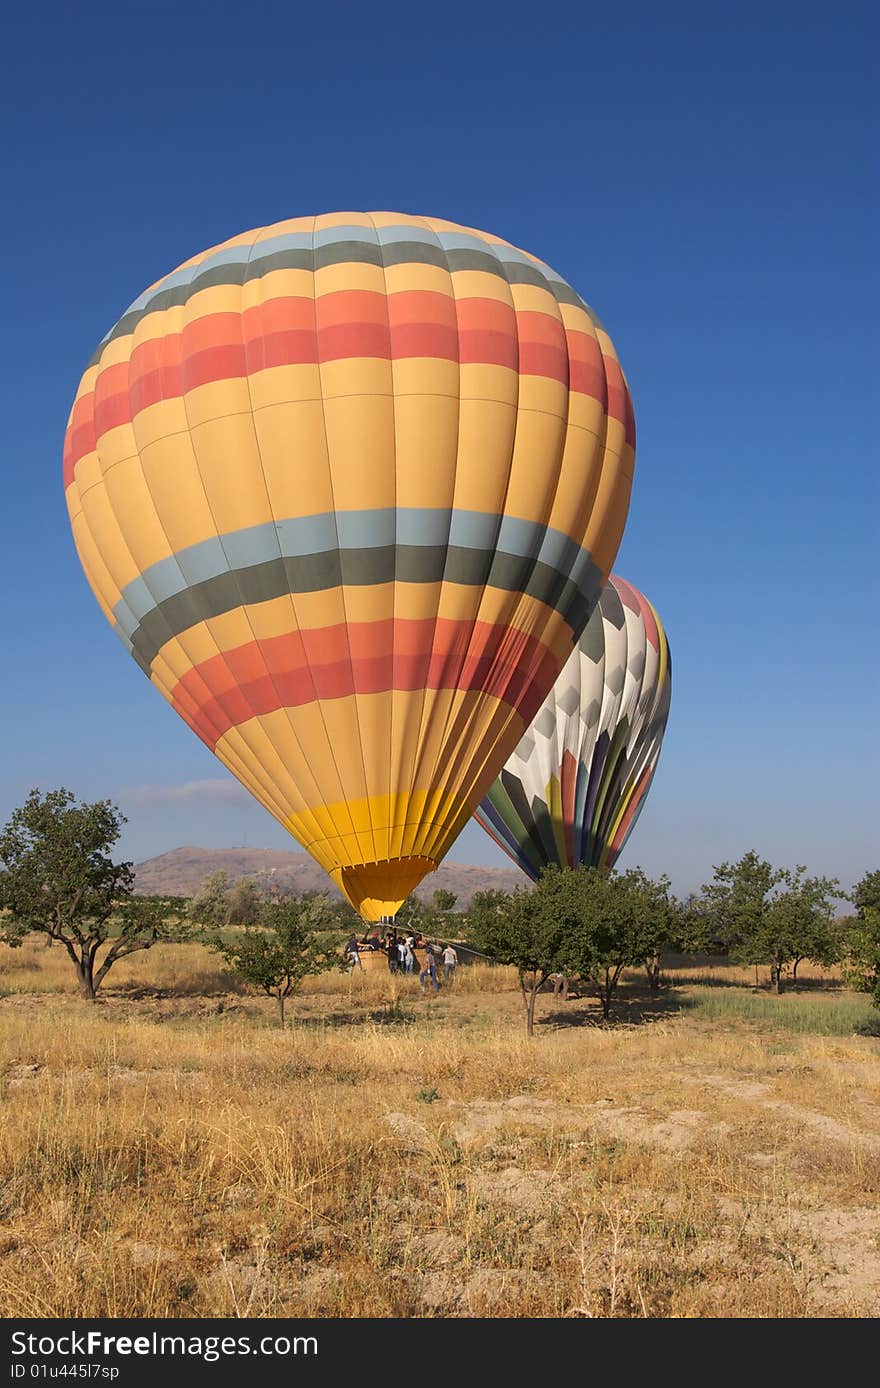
{"x":861,"y":942}
{"x":210,"y":905}
{"x":610,"y":921}
{"x":444,"y":901}
{"x":772,"y":916}
{"x":513,"y":929}
{"x":244,"y":903}
{"x":59,"y":879}
{"x":278,"y":955}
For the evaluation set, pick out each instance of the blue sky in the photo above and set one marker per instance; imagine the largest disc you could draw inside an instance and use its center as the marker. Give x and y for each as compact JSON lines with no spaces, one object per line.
{"x":702,"y":174}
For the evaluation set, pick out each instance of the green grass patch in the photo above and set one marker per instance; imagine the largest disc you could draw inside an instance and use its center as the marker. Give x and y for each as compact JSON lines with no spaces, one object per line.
{"x":809,"y":1015}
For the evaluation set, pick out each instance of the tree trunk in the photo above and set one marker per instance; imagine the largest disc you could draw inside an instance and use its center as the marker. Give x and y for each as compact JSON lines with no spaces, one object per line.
{"x":776,"y":976}
{"x":605,"y":996}
{"x":85,"y":976}
{"x":794,"y":969}
{"x":280,"y":999}
{"x":653,"y":967}
{"x":530,"y":1017}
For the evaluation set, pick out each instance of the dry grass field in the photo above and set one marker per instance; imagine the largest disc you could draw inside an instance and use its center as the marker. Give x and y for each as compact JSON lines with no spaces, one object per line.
{"x":169,"y":1152}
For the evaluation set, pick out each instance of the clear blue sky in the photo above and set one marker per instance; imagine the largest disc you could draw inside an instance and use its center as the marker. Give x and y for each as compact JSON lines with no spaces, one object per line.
{"x":701,"y":173}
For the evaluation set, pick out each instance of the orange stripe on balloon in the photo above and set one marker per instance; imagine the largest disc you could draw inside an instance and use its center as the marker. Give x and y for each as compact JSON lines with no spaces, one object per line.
{"x":362,"y":658}
{"x":350,"y":323}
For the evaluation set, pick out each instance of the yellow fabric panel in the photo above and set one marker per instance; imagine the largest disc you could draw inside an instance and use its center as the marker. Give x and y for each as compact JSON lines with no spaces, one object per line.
{"x":89,"y":473}
{"x":133,"y":505}
{"x":608,"y":516}
{"x":425,"y":427}
{"x":173,"y":482}
{"x":490,"y":384}
{"x":356,"y":377}
{"x":284,"y":385}
{"x":99,"y":518}
{"x":319,"y":745}
{"x":380,"y":889}
{"x":425,"y":376}
{"x":114,"y":446}
{"x":217,"y":400}
{"x":231,"y":470}
{"x":94,"y":567}
{"x":553,"y":795}
{"x":360,"y":444}
{"x":276,"y":284}
{"x":297,"y":476}
{"x":371,"y":822}
{"x":433,"y":279}
{"x":587,"y":414}
{"x":485,"y":445}
{"x":113,"y":353}
{"x":530,"y":489}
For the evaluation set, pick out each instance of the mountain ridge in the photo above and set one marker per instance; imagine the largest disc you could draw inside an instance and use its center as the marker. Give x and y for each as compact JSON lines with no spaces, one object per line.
{"x":181,"y":871}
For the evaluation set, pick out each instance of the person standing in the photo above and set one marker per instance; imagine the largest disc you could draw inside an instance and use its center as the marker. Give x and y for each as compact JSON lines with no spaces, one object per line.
{"x":408,"y":957}
{"x":430,"y":969}
{"x":391,"y":951}
{"x":450,"y":961}
{"x":354,"y":954}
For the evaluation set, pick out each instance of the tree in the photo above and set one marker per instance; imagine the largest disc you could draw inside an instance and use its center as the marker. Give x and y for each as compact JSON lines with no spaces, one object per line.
{"x":244,"y":903}
{"x":772,"y":916}
{"x":612,"y":921}
{"x":210,"y":905}
{"x":861,"y":942}
{"x":284,"y":950}
{"x":444,"y":901}
{"x":59,"y":879}
{"x":514,"y":930}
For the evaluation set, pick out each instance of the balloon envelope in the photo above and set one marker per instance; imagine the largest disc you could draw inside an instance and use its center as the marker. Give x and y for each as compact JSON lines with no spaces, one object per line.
{"x":347,"y":487}
{"x":574,"y":787}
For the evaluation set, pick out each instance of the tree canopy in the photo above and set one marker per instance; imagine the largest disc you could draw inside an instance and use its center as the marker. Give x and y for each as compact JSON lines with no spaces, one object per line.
{"x":58,"y":878}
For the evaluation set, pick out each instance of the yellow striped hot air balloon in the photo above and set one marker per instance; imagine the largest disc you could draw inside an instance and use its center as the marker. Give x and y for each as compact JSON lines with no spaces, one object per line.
{"x":348,"y":487}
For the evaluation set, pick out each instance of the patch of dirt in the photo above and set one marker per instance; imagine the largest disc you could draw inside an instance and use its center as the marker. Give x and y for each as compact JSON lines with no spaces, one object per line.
{"x":17,"y":1075}
{"x":142,"y":1255}
{"x":737,"y":1089}
{"x":484,"y":1117}
{"x":678,"y":1131}
{"x":484,"y":1290}
{"x":848,"y":1243}
{"x":822,"y":1124}
{"x":126,"y":1075}
{"x":525,"y":1190}
{"x":435,"y":1249}
{"x":411,"y":1132}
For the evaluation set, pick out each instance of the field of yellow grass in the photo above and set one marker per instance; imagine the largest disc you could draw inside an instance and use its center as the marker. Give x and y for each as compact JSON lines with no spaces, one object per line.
{"x":169,"y":1151}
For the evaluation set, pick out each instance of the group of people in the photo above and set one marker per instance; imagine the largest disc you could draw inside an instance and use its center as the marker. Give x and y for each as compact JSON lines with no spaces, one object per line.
{"x":403,"y":959}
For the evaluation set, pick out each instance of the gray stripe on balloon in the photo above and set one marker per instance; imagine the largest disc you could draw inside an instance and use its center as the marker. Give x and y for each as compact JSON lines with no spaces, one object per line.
{"x":572,"y":595}
{"x":171,"y":295}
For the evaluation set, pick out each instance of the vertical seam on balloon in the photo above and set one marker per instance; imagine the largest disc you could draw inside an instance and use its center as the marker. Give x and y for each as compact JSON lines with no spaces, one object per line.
{"x":423,"y":838}
{"x":242,"y":731}
{"x":591,"y":734}
{"x":513,"y":605}
{"x":305,"y":814}
{"x":154,"y":676}
{"x":391,"y":778}
{"x":344,"y":799}
{"x":456,"y":728}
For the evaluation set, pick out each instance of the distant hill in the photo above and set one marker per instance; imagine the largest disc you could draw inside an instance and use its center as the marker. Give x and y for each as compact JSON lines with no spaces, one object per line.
{"x":182,"y":871}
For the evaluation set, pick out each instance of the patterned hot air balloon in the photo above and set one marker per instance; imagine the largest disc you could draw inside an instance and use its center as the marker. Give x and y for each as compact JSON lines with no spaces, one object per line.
{"x":348,"y":487}
{"x":574,"y":787}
